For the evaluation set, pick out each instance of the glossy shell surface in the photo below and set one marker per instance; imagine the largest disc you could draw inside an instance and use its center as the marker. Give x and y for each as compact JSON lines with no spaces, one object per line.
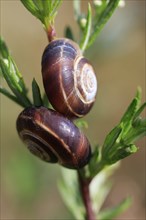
{"x":53,"y":138}
{"x":69,"y":79}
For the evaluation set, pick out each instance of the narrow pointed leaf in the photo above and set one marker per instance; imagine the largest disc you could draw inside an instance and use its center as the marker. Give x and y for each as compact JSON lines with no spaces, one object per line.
{"x":55,"y":5}
{"x":10,"y":65}
{"x":86,"y":33}
{"x":46,"y":102}
{"x":115,"y":211}
{"x":102,"y":20}
{"x":69,"y":33}
{"x":37,"y":100}
{"x":14,"y":83}
{"x":69,"y":190}
{"x":29,"y":4}
{"x":136,"y":133}
{"x":110,"y":140}
{"x":10,"y":96}
{"x":44,"y":10}
{"x":101,"y":186}
{"x":46,"y":6}
{"x":4,"y":52}
{"x":132,"y":108}
{"x":140,"y":110}
{"x":121,"y":153}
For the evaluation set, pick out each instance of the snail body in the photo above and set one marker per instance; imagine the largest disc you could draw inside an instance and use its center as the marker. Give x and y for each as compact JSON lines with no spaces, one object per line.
{"x":69,"y":79}
{"x":53,"y":138}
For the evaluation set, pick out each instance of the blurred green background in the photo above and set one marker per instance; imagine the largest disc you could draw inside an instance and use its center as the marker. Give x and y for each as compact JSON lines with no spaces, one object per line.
{"x":28,"y":185}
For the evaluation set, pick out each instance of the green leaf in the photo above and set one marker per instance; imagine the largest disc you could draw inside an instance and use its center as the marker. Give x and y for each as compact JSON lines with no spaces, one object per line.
{"x":14,"y":81}
{"x":132,"y":108}
{"x":46,"y":102}
{"x":30,"y":5}
{"x":102,"y":20}
{"x":115,"y":211}
{"x":101,"y":186}
{"x":10,"y":96}
{"x":81,"y":123}
{"x":44,"y":10}
{"x":111,"y":140}
{"x":46,"y":6}
{"x":39,"y":4}
{"x":12,"y":76}
{"x":120,"y":153}
{"x":94,"y":161}
{"x":87,"y":30}
{"x":37,"y":100}
{"x":69,"y":190}
{"x":139,"y":111}
{"x":55,"y":5}
{"x":134,"y":127}
{"x":129,"y":114}
{"x":119,"y":143}
{"x":136,"y":132}
{"x":68,"y":33}
{"x":4,"y":52}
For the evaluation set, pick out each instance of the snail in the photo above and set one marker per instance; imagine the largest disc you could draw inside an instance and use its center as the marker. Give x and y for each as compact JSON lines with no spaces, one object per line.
{"x":53,"y":137}
{"x":69,"y":79}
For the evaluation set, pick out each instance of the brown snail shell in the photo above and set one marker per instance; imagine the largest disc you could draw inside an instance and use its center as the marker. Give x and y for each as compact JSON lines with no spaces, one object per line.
{"x":53,"y":138}
{"x":69,"y":79}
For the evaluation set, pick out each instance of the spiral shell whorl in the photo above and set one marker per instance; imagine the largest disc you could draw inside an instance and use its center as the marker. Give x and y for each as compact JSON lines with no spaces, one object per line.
{"x":85,"y":80}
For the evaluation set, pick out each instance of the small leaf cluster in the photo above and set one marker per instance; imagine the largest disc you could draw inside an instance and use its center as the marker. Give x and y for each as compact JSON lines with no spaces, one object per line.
{"x":120,"y":142}
{"x":44,"y":10}
{"x":19,"y":92}
{"x":13,"y":78}
{"x":91,"y":25}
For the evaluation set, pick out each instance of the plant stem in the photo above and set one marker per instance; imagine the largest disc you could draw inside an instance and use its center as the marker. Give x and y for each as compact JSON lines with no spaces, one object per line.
{"x":51,"y":33}
{"x":84,"y":189}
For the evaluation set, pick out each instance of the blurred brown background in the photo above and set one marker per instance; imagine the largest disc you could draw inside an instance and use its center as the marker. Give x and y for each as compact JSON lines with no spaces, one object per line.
{"x":29,"y":186}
